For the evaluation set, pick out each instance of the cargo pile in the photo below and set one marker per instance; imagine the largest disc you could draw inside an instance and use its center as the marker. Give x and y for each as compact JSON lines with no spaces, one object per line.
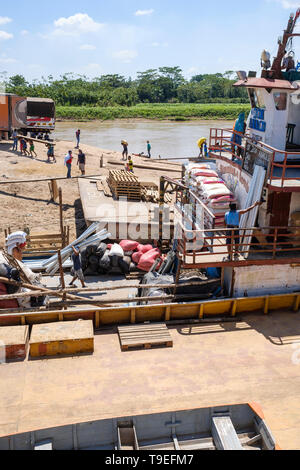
{"x":211,"y":190}
{"x":128,"y":256}
{"x":124,"y":184}
{"x":150,"y":193}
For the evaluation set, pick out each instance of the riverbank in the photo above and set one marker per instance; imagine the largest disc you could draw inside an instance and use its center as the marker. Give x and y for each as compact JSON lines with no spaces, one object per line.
{"x":28,"y":205}
{"x":173,"y":112}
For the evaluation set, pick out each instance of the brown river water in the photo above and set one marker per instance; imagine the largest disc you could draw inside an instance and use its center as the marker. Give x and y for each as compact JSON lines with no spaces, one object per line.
{"x":168,"y":139}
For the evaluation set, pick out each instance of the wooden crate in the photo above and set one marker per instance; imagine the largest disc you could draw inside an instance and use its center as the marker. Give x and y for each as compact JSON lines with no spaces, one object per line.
{"x":15,"y":341}
{"x":124,"y":184}
{"x":145,"y":336}
{"x":62,"y":338}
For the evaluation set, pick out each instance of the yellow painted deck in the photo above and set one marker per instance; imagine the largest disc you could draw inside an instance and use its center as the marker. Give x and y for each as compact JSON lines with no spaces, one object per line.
{"x":255,"y":358}
{"x":60,"y":338}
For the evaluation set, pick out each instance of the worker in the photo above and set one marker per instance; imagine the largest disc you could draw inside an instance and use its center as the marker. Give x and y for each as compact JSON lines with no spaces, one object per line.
{"x":232,"y":221}
{"x":288,"y":62}
{"x":125,"y":150}
{"x":50,"y":153}
{"x":31,"y":149}
{"x":15,"y":139}
{"x":239,"y":129}
{"x":78,"y":137}
{"x":68,"y":163}
{"x":81,"y":162}
{"x":15,"y":244}
{"x":130,"y":165}
{"x":201,"y":142}
{"x":24,"y":150}
{"x":149,"y":149}
{"x":78,"y":273}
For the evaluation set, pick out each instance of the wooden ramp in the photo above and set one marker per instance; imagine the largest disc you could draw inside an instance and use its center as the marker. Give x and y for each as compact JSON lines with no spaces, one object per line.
{"x":145,"y":336}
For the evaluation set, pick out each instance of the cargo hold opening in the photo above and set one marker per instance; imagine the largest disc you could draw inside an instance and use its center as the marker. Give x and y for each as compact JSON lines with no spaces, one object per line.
{"x":40,"y":107}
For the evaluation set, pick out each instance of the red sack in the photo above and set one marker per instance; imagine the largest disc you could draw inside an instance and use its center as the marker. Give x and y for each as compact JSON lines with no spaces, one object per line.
{"x":147,"y":259}
{"x":136,"y":257}
{"x":109,"y":246}
{"x":144,"y":248}
{"x":7,"y":303}
{"x":128,"y":245}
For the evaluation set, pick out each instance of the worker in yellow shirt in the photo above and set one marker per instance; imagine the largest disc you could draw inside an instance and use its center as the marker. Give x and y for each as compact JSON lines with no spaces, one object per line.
{"x":201,"y":144}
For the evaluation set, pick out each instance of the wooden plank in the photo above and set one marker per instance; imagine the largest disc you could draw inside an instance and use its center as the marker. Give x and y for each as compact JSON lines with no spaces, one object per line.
{"x":144,"y":336}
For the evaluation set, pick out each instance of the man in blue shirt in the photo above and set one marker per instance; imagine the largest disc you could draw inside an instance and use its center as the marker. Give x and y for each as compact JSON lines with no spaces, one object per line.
{"x":78,"y":273}
{"x":232,"y":221}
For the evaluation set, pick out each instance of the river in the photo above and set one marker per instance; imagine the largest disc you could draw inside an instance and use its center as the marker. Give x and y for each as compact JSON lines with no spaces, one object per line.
{"x":168,"y":139}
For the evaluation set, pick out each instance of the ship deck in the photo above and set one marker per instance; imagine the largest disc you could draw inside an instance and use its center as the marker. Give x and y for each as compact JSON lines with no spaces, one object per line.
{"x":253,"y":358}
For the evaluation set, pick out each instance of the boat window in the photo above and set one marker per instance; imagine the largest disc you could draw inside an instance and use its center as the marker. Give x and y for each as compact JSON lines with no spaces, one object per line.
{"x":260,"y":99}
{"x":280,"y":100}
{"x":256,"y":98}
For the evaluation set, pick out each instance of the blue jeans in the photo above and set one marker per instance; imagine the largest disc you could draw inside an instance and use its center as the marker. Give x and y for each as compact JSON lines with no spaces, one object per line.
{"x":69,"y":166}
{"x":78,"y":141}
{"x":15,"y":147}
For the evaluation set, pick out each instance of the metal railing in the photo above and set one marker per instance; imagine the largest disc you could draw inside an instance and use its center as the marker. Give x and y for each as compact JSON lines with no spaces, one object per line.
{"x":199,"y":212}
{"x":221,"y":145}
{"x":197,"y":247}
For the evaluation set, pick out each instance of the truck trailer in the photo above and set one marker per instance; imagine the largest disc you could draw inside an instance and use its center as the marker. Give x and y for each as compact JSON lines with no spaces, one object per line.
{"x":26,"y":114}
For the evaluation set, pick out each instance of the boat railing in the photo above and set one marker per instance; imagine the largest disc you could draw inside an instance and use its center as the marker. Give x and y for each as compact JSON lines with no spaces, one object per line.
{"x":221,"y":144}
{"x":210,"y":247}
{"x":282,"y":169}
{"x":193,"y":210}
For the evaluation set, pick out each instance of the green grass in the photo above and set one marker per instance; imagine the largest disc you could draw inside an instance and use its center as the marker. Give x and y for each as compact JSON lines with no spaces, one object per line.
{"x":176,"y":112}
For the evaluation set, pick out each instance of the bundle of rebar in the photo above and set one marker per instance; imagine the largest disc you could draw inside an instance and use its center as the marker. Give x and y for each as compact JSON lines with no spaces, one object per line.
{"x":86,"y":239}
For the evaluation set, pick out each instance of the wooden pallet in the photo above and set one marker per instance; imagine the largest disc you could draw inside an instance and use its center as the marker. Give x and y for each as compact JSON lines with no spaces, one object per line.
{"x":144,"y":336}
{"x":124,"y":184}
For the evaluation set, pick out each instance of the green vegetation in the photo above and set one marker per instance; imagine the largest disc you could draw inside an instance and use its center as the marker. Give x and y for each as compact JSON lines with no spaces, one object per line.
{"x":176,"y":112}
{"x":155,"y":94}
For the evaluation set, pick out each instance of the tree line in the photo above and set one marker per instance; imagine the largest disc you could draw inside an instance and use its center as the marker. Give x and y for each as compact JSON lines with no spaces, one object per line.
{"x":162,"y":85}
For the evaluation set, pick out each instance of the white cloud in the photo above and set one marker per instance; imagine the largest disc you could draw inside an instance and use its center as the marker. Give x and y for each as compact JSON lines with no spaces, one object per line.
{"x":7,"y":60}
{"x":144,"y":12}
{"x":286,"y":4}
{"x":76,"y":24}
{"x":24,"y":32}
{"x":5,"y":20}
{"x":159,"y":44}
{"x":4,"y":36}
{"x":125,"y":56}
{"x":87,"y":47}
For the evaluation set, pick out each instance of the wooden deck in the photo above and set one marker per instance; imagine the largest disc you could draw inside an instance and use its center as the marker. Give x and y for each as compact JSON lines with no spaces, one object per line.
{"x":255,"y":358}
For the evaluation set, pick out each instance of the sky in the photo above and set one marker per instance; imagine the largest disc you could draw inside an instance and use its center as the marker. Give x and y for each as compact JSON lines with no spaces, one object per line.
{"x":97,"y":37}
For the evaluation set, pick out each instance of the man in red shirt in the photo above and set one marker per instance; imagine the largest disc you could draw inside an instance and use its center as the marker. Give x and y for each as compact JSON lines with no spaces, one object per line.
{"x":68,"y":162}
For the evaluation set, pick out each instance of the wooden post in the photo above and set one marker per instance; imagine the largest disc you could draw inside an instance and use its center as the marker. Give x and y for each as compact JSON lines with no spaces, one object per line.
{"x":101,"y":161}
{"x":177,"y":276}
{"x":161,"y":206}
{"x":61,"y":219}
{"x":62,"y":279}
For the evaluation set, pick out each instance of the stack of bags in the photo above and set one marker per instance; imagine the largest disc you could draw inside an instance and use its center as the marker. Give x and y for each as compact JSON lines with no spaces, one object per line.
{"x":211,"y":189}
{"x":116,"y":258}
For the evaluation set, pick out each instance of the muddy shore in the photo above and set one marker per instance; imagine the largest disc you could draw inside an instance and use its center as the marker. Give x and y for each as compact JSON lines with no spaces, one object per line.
{"x":28,"y":205}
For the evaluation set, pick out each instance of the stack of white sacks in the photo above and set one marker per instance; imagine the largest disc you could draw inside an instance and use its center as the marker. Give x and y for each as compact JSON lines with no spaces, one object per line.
{"x":211,"y":189}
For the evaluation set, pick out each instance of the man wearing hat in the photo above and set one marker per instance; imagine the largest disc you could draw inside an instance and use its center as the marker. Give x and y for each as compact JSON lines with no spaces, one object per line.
{"x":78,"y":273}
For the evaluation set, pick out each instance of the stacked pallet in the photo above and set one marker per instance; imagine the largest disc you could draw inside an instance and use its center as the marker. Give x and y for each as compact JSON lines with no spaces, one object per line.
{"x":124,"y":184}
